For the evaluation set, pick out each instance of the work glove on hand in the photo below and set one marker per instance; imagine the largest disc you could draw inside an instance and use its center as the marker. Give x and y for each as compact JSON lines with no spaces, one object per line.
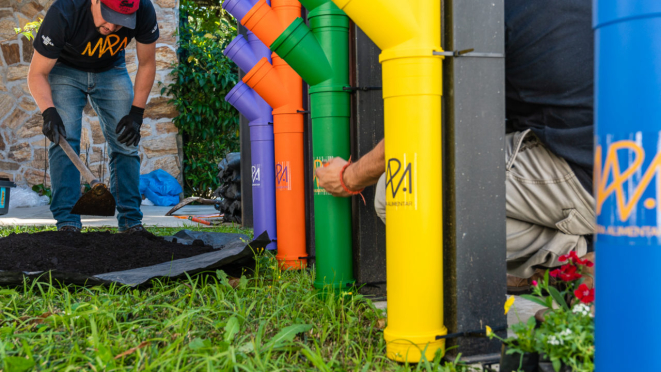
{"x":129,"y":127}
{"x":53,"y":126}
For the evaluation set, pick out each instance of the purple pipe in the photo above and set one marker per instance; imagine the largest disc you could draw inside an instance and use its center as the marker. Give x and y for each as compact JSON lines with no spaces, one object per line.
{"x":238,"y":8}
{"x":240,"y":51}
{"x":259,"y":113}
{"x":261,"y":141}
{"x":261,"y":51}
{"x":242,"y":98}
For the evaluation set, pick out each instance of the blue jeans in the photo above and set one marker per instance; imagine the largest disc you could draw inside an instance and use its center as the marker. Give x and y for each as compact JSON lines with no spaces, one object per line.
{"x":111,"y":96}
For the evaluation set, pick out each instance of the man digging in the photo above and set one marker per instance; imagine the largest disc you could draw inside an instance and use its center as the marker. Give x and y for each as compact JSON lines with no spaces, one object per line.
{"x":79,"y":55}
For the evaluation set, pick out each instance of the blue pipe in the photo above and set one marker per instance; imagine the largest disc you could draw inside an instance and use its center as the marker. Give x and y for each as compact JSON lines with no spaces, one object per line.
{"x":627,"y":184}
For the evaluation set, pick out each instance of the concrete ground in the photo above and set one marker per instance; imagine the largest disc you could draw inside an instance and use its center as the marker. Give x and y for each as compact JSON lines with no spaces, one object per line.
{"x":153,"y":215}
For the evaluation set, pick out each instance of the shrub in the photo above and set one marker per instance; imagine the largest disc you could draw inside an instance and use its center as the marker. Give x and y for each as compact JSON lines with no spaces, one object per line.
{"x":209,"y":125}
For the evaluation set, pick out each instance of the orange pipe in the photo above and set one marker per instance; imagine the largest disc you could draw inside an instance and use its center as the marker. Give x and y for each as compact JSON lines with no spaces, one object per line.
{"x":286,"y":11}
{"x":263,"y":21}
{"x":291,"y":80}
{"x":286,"y":100}
{"x":282,"y":89}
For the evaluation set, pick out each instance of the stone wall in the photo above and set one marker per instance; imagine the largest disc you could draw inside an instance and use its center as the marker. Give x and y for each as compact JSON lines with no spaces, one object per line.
{"x":23,"y":149}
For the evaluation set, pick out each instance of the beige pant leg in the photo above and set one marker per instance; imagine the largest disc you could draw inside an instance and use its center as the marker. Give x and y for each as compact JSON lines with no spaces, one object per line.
{"x":380,"y":198}
{"x":548,"y":211}
{"x":529,"y":245}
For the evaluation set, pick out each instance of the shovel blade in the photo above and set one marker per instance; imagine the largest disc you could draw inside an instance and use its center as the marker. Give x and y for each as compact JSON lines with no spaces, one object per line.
{"x":96,"y":202}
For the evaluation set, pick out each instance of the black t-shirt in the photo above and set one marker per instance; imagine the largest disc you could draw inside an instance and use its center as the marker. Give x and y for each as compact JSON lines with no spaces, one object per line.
{"x":549,"y":77}
{"x":68,"y":34}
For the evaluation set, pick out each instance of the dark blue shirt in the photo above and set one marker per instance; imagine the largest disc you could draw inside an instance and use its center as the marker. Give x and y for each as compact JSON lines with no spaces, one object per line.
{"x":69,"y":35}
{"x":549,"y":66}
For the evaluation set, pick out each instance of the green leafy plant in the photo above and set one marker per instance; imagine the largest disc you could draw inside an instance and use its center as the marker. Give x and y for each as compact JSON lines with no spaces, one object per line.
{"x":523,"y":340}
{"x":30,"y":29}
{"x":568,"y":337}
{"x":41,"y":189}
{"x":567,"y":334}
{"x":209,"y":125}
{"x":572,"y":276}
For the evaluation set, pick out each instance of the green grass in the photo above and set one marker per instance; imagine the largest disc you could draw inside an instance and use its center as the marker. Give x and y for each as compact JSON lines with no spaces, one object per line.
{"x":268,"y":320}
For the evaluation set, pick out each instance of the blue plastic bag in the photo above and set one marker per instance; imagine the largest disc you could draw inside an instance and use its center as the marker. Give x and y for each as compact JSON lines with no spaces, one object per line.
{"x":160,"y":187}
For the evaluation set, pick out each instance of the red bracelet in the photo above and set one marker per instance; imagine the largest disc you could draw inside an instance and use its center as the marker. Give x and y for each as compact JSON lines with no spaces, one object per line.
{"x":359,"y":192}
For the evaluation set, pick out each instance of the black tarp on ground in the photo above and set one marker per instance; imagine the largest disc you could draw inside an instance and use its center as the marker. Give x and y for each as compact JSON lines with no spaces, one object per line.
{"x":234,"y":252}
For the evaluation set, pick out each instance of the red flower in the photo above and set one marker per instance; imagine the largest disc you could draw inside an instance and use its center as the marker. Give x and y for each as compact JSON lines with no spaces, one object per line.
{"x":585,"y":294}
{"x":574,"y":259}
{"x":566,"y":273}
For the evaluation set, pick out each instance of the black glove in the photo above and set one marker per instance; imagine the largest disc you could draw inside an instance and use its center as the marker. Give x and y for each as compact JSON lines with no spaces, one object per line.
{"x":53,"y":126}
{"x":130,"y":124}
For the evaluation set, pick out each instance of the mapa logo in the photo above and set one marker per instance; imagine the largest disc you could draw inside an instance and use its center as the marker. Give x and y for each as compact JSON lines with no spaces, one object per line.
{"x":400,"y":182}
{"x":627,"y":181}
{"x":282,"y":175}
{"x":318,"y":163}
{"x":256,"y":175}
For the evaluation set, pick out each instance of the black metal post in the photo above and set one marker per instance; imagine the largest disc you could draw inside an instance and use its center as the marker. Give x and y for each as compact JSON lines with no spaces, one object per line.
{"x":474,"y":176}
{"x":369,"y":232}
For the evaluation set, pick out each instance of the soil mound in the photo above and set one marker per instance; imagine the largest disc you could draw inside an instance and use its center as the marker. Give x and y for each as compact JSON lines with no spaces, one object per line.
{"x":90,"y":253}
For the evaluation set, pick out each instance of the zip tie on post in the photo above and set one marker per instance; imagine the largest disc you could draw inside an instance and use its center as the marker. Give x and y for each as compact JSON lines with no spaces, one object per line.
{"x":359,"y":192}
{"x":471,"y":333}
{"x":364,"y":89}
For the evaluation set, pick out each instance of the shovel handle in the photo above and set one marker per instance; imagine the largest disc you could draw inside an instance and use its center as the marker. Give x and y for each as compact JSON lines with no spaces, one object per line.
{"x":89,"y":177}
{"x":199,"y":220}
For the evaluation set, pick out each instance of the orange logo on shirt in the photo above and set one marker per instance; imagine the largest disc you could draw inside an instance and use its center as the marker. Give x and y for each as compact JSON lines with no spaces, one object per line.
{"x":109,"y":44}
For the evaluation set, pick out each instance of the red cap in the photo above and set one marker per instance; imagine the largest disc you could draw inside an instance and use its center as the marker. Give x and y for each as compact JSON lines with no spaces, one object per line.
{"x":120,"y":12}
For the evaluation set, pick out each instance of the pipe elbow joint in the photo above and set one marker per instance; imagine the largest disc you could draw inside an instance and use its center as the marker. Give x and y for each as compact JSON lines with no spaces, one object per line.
{"x":387,"y":22}
{"x":265,"y":81}
{"x":300,"y":49}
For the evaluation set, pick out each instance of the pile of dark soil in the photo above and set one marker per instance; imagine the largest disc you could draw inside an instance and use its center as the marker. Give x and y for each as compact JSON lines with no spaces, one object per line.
{"x":90,"y":253}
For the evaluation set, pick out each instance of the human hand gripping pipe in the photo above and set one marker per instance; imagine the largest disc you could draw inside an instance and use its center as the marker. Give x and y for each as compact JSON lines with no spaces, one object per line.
{"x":627,"y":172}
{"x":408,"y":33}
{"x":320,"y":57}
{"x":282,"y":89}
{"x":258,"y":112}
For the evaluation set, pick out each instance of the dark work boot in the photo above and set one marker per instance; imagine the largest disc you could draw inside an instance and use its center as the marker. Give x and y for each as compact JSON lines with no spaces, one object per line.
{"x":135,"y":229}
{"x":69,"y":228}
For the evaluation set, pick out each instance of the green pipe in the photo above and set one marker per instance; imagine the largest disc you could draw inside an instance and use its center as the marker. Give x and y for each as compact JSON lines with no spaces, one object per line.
{"x":330,"y":112}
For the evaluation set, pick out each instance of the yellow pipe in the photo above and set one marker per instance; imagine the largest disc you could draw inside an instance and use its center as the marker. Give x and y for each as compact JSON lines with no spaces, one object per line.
{"x":408,"y":33}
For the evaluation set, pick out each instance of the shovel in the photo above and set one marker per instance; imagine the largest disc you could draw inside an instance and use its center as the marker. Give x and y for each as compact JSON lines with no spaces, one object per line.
{"x":96,"y":202}
{"x":189,"y":200}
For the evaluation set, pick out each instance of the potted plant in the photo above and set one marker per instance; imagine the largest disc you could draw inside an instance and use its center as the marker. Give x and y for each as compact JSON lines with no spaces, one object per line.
{"x":518,"y":353}
{"x":565,"y":339}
